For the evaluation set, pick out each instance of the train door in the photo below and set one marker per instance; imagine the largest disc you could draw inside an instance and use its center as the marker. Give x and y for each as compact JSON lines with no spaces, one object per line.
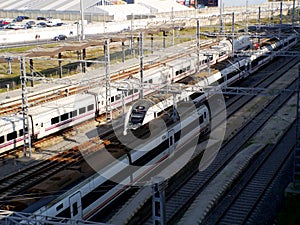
{"x":75,"y":206}
{"x":171,"y":134}
{"x":40,"y":127}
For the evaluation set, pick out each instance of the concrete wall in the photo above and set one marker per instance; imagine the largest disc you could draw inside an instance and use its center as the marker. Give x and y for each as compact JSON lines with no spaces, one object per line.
{"x":69,"y":15}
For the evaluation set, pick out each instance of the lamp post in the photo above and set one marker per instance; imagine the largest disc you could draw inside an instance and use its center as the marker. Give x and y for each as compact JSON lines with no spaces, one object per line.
{"x":221,"y":16}
{"x":246,"y":15}
{"x":82,"y":20}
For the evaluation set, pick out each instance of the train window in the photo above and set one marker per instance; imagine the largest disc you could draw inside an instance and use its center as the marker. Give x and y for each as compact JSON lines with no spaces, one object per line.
{"x":118,"y":97}
{"x":135,"y":90}
{"x":64,"y":117}
{"x":75,"y":208}
{"x":21,"y":133}
{"x":54,"y":120}
{"x":150,"y":81}
{"x":130,"y":92}
{"x":12,"y":135}
{"x":90,"y":107}
{"x":1,"y":139}
{"x":73,"y":113}
{"x":65,"y":213}
{"x":177,"y":72}
{"x":204,"y":115}
{"x":188,"y":68}
{"x":201,"y":120}
{"x":82,"y":110}
{"x":59,"y":207}
{"x":171,"y":141}
{"x":157,"y":206}
{"x":112,"y":99}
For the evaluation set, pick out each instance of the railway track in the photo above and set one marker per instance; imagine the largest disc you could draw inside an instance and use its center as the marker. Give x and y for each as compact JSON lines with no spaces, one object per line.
{"x":225,"y":156}
{"x":18,"y":182}
{"x":172,"y":203}
{"x":255,"y":185}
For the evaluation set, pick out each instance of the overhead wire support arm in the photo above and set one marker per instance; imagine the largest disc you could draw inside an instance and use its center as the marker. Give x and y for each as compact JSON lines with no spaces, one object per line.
{"x":210,"y":90}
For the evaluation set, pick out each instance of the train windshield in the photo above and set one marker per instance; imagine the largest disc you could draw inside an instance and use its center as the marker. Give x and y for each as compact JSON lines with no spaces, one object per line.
{"x":137,"y":117}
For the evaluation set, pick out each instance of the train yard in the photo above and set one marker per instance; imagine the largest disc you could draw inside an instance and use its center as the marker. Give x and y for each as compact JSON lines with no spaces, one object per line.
{"x":177,"y":203}
{"x":103,"y":172}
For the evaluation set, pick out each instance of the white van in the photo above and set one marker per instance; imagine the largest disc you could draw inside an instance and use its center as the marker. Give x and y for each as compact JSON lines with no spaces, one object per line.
{"x":53,"y":22}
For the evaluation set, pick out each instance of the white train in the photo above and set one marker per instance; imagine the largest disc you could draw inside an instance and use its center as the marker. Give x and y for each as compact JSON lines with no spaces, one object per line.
{"x":147,"y":109}
{"x":51,"y":117}
{"x":92,"y":195}
{"x":88,"y":197}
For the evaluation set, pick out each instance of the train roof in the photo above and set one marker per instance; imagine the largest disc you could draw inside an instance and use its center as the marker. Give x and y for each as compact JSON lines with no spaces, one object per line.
{"x":10,"y":122}
{"x":178,"y":61}
{"x":66,"y":103}
{"x":142,"y":104}
{"x":11,"y":118}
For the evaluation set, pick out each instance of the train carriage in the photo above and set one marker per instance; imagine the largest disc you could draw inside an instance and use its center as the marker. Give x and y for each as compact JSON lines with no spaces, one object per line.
{"x":92,"y":195}
{"x":60,"y":114}
{"x":181,"y":68}
{"x":46,"y":119}
{"x":11,"y":132}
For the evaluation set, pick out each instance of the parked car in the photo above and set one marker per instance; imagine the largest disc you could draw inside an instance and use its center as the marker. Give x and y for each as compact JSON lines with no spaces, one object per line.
{"x":41,"y":18}
{"x":14,"y":26}
{"x":21,"y":18}
{"x":41,"y":24}
{"x":60,"y":37}
{"x":25,"y":17}
{"x":31,"y":22}
{"x":5,"y":22}
{"x":27,"y":26}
